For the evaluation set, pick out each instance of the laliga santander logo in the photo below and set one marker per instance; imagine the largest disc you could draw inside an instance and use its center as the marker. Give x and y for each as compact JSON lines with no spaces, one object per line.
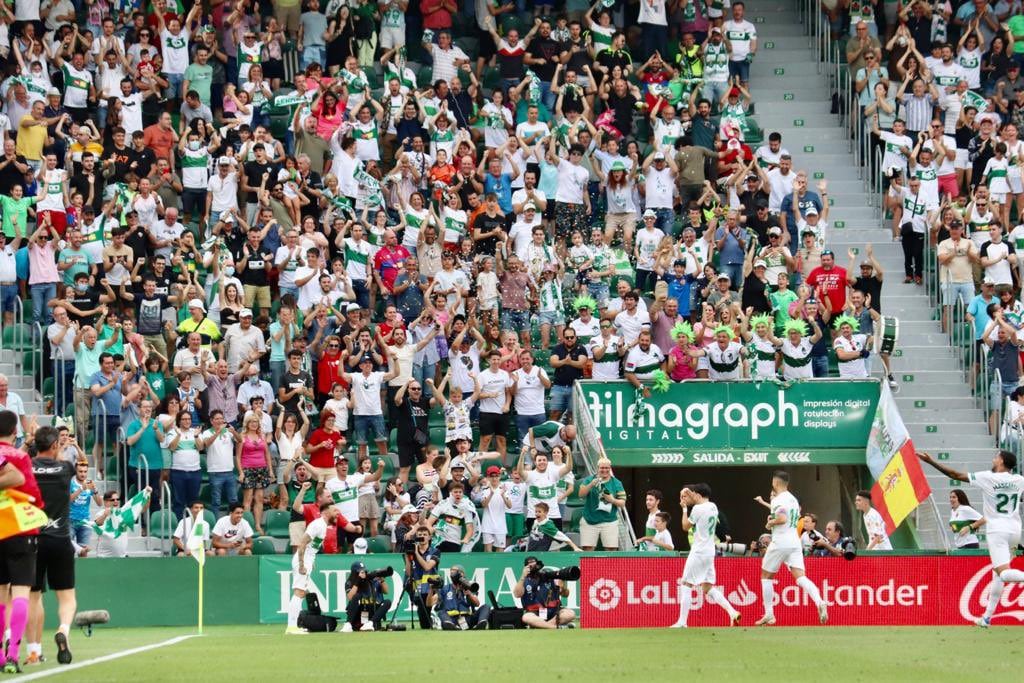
{"x":604,"y":594}
{"x":975,"y":587}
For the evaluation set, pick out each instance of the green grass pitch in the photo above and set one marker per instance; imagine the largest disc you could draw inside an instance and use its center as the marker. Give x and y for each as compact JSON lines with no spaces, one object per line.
{"x":236,"y":653}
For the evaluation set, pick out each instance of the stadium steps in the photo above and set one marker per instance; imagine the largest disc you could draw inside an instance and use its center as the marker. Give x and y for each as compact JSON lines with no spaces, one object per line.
{"x":936,"y":403}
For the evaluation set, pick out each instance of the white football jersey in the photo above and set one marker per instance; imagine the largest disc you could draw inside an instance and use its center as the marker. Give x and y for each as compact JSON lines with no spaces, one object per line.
{"x":704,"y":517}
{"x":784,"y":535}
{"x":1001,"y":493}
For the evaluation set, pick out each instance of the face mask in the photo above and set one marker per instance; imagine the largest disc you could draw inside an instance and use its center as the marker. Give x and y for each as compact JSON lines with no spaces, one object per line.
{"x":194,"y":145}
{"x":36,"y":74}
{"x":81,"y":287}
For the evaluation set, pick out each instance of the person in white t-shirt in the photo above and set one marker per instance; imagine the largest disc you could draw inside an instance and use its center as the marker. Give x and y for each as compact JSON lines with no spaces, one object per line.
{"x":495,"y":400}
{"x":368,"y":411}
{"x":873,"y":522}
{"x":232,"y":534}
{"x":493,"y":496}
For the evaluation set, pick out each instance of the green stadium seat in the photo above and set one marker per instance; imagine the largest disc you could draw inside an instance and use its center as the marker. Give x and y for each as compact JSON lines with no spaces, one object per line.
{"x":17,"y":337}
{"x":49,"y":387}
{"x":425,"y":77}
{"x":209,"y":517}
{"x":204,"y":494}
{"x":276,"y":523}
{"x":247,"y":516}
{"x":263,"y":546}
{"x":377,"y":545}
{"x":162,"y":523}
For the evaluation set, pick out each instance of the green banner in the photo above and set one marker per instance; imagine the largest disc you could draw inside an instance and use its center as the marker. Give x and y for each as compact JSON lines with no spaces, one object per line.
{"x":701,"y":422}
{"x":496,"y":572}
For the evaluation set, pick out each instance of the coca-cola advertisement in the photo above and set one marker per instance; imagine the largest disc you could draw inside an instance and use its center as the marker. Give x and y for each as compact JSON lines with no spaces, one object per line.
{"x":644,"y":592}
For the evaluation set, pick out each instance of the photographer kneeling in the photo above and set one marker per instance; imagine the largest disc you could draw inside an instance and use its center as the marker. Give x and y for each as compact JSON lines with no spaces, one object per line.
{"x":421,"y":571}
{"x":458,"y":606}
{"x":541,"y":592}
{"x":365,"y":592}
{"x":834,"y":544}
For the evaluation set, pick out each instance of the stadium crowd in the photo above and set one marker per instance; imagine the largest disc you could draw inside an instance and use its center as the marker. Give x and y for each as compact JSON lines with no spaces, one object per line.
{"x":269,"y":243}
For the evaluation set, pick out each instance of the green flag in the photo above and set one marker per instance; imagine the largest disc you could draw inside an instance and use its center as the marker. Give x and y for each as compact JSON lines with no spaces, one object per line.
{"x":126,"y":517}
{"x":196,"y":545}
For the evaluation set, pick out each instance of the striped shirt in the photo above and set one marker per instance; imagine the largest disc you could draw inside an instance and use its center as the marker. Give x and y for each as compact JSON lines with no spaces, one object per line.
{"x":917,"y":111}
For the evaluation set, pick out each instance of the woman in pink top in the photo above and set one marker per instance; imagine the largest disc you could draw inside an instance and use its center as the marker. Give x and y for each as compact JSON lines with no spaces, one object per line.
{"x":252,"y":457}
{"x":704,"y":332}
{"x":42,"y":275}
{"x":681,"y":362}
{"x":329,"y":112}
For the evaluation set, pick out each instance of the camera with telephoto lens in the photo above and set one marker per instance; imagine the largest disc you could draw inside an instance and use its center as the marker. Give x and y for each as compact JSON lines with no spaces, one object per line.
{"x":548,"y":574}
{"x":849,"y":548}
{"x":379,"y":573}
{"x":436,"y":582}
{"x":458,"y":578}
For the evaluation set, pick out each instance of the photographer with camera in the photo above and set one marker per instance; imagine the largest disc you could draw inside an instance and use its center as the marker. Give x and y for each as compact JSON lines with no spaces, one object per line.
{"x":422,"y":577}
{"x":365,"y":593}
{"x":541,"y":591}
{"x":835,"y":543}
{"x":458,"y":605}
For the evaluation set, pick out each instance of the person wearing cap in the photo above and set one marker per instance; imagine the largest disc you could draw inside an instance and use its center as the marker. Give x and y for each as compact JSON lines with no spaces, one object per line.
{"x":648,"y":240}
{"x":572,"y":201}
{"x":660,"y":172}
{"x":243,"y":341}
{"x":493,"y":496}
{"x":723,"y":293}
{"x":956,"y":256}
{"x":756,"y":287}
{"x":253,"y":262}
{"x":344,"y":491}
{"x":733,"y":107}
{"x":367,"y":608}
{"x":830,"y":280}
{"x":619,"y":179}
{"x":869,"y":281}
{"x":776,"y":257}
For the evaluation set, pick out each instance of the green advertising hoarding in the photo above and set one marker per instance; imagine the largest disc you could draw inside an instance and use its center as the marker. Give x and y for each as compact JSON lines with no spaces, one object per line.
{"x":496,"y":572}
{"x":703,"y":422}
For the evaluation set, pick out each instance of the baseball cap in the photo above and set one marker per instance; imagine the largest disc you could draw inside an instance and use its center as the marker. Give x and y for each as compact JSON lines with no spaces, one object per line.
{"x":492,"y":470}
{"x":866,"y":264}
{"x":751,"y":177}
{"x":197,"y":303}
{"x":245,"y":313}
{"x":956,"y":223}
{"x":716,"y":29}
{"x":679,"y":262}
{"x":358,"y":567}
{"x":811,"y":211}
{"x":760,"y":264}
{"x":1013,"y":65}
{"x":659,"y":156}
{"x":988,"y":280}
{"x":529,"y":206}
{"x":353,"y":306}
{"x":359,"y":546}
{"x":617,"y":165}
{"x":761,"y":203}
{"x":649,"y":213}
{"x":224,"y":161}
{"x":457,"y":463}
{"x":367,"y":358}
{"x":410,"y":508}
{"x":53,"y":92}
{"x":774,"y":231}
{"x":734,"y":92}
{"x":723,"y":276}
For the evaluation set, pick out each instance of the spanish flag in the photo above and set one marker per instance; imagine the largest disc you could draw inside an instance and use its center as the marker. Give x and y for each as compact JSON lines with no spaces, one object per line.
{"x":900,"y":484}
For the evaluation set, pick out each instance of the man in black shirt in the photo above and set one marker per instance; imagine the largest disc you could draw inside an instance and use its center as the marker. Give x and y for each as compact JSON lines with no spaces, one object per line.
{"x":150,"y":305}
{"x":410,"y":417}
{"x":568,"y":359}
{"x":252,"y":264}
{"x":55,"y":555}
{"x":252,"y":178}
{"x":87,"y":301}
{"x":542,"y":57}
{"x":118,"y":158}
{"x":89,"y":182}
{"x":870,"y":279}
{"x":144,"y":157}
{"x":13,"y":168}
{"x":488,"y":227}
{"x":296,"y":384}
{"x":760,"y":221}
{"x":139,"y":239}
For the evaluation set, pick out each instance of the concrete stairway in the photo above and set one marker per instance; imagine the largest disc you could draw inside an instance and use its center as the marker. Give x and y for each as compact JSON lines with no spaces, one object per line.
{"x":935,"y":402}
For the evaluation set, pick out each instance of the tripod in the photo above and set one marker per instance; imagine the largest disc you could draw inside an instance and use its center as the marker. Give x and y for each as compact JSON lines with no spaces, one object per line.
{"x":392,"y":626}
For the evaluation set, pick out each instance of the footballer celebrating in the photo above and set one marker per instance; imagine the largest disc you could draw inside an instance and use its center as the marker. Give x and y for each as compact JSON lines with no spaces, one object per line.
{"x":1001,"y":491}
{"x":700,"y":563}
{"x":305,"y":556}
{"x":785,"y":549}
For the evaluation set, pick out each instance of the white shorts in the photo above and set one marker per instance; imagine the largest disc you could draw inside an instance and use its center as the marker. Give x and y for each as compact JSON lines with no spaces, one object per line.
{"x":775,"y":557}
{"x":1001,"y":545}
{"x":497,"y":540}
{"x":961,"y":161}
{"x":300,"y":582}
{"x":392,"y":36}
{"x":699,"y":569}
{"x":607,"y":532}
{"x":1013,"y":177}
{"x":997,"y":197}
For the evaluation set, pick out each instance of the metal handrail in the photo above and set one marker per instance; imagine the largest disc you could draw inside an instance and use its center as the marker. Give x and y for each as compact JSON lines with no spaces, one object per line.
{"x":165,"y":530}
{"x":37,"y":351}
{"x":59,"y":380}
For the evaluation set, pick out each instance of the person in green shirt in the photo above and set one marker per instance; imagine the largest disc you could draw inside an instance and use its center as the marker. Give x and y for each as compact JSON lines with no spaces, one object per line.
{"x":145,"y":459}
{"x":1016,"y":27}
{"x":199,"y":75}
{"x":16,"y":209}
{"x":603,"y":497}
{"x":72,"y":259}
{"x":780,"y":300}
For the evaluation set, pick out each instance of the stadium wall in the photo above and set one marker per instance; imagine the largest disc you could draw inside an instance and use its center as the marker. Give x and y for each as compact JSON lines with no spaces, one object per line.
{"x":906,"y":588}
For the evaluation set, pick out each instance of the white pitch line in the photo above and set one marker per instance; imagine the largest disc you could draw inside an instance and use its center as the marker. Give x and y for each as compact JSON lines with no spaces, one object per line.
{"x":105,"y":658}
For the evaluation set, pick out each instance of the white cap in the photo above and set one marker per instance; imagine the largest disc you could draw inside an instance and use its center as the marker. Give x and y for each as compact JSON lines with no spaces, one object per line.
{"x":659,"y":156}
{"x":988,"y":280}
{"x":359,"y":546}
{"x":245,"y":313}
{"x":760,"y":264}
{"x":457,"y":462}
{"x":650,"y":213}
{"x":811,"y":210}
{"x":197,"y":303}
{"x":529,"y":205}
{"x":410,"y":508}
{"x":225,"y":161}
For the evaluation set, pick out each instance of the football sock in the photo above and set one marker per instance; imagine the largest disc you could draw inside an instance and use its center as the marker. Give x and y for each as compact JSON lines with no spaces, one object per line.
{"x":1012,"y":576}
{"x":810,"y":589}
{"x":294,"y":607}
{"x":685,"y":605}
{"x":19,"y":619}
{"x":994,"y":593}
{"x":715,"y":596}
{"x":768,"y":595}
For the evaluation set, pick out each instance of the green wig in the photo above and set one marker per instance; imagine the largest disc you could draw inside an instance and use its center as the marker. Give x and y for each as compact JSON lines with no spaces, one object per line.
{"x":661,"y":381}
{"x":726,"y":329}
{"x":847,"y":320}
{"x":760,"y":319}
{"x":795,"y":324}
{"x":685,"y":329}
{"x":584,"y":302}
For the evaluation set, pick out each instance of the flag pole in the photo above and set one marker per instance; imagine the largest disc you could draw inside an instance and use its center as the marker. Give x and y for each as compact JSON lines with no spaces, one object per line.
{"x":201,"y":564}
